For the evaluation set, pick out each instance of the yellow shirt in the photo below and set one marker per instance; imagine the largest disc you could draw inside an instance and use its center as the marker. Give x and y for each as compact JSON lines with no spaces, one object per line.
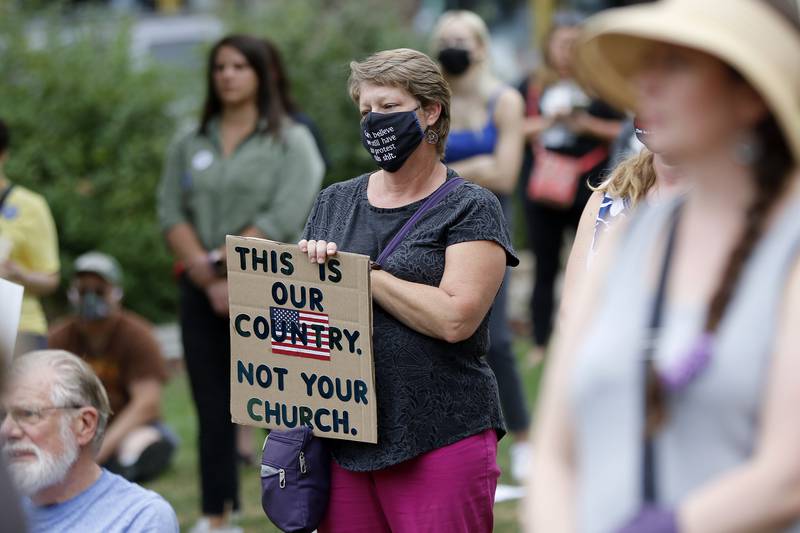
{"x":26,"y":223}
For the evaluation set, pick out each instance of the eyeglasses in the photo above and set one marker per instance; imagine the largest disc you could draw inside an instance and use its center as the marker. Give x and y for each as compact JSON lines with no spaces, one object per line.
{"x":28,"y":416}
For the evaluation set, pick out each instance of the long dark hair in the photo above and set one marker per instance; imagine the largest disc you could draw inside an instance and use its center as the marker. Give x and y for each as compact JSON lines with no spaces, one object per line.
{"x":282,"y":82}
{"x":269,"y":108}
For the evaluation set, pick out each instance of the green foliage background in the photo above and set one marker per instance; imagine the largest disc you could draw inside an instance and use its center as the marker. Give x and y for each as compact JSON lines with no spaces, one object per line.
{"x":89,"y":129}
{"x":88,"y":132}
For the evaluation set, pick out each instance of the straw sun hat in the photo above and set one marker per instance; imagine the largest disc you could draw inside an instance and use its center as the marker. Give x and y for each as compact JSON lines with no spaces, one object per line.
{"x":749,"y":35}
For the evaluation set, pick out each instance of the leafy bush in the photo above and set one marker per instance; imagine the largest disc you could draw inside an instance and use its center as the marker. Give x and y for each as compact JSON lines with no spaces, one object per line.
{"x":88,"y":132}
{"x":89,"y":129}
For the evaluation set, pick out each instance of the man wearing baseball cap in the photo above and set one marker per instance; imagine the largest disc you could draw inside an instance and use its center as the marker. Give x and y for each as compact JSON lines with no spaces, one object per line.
{"x":121,"y":348}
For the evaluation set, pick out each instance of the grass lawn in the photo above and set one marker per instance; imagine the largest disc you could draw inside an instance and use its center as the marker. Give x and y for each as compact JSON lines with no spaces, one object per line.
{"x":181,"y":485}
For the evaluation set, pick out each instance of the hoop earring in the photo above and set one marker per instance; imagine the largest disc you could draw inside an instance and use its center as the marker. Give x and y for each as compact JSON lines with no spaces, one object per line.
{"x":747,"y":149}
{"x":431,"y":136}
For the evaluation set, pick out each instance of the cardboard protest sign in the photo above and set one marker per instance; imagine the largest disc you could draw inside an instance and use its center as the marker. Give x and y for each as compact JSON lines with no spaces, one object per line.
{"x":301,"y":343}
{"x":10,"y":309}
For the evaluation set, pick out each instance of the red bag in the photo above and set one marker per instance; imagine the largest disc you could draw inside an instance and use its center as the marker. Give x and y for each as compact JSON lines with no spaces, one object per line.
{"x":555,"y":177}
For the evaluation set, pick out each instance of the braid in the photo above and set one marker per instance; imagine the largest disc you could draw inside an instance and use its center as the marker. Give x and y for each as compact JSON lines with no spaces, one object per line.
{"x":772,"y":172}
{"x":772,"y":175}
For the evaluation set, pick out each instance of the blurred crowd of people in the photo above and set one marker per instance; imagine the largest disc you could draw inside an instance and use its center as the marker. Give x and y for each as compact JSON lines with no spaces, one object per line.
{"x":665,"y":135}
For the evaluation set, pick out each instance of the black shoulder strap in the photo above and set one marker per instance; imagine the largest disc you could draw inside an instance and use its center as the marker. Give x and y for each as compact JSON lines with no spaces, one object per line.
{"x":648,"y":451}
{"x":4,"y":196}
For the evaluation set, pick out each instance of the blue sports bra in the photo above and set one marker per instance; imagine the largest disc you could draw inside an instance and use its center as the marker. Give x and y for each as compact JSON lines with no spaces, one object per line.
{"x":463,"y":144}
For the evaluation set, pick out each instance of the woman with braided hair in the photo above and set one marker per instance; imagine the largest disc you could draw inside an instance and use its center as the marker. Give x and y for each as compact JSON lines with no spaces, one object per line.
{"x":671,"y":401}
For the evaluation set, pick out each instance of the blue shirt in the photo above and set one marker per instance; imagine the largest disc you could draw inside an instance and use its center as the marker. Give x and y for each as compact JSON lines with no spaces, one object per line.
{"x":111,"y":504}
{"x":463,"y":144}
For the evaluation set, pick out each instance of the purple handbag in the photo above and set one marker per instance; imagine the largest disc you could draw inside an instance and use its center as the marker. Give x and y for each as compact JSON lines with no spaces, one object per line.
{"x":295,"y":479}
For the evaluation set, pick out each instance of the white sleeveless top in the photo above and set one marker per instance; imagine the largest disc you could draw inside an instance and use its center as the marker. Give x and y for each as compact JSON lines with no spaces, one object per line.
{"x":713,"y":423}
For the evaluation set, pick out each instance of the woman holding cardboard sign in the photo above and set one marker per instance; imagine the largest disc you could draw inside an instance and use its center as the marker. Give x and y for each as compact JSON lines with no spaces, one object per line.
{"x":434,"y":467}
{"x":247,"y":170}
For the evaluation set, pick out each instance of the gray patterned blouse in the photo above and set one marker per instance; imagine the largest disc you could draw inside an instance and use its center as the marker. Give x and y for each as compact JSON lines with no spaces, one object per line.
{"x":430,"y":393}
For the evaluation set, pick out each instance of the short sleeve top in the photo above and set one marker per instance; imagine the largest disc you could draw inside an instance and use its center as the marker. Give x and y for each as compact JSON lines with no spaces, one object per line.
{"x":28,"y":235}
{"x":430,"y":393}
{"x":111,"y":503}
{"x":131,"y":354}
{"x":268,"y":182}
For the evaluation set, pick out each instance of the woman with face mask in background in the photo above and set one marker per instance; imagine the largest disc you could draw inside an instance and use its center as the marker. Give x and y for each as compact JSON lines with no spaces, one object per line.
{"x":568,"y":135}
{"x":671,"y":403}
{"x":485,"y":147}
{"x":434,"y":467}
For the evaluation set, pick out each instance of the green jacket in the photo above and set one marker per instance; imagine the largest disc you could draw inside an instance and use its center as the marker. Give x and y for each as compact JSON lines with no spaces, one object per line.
{"x":267,"y":182}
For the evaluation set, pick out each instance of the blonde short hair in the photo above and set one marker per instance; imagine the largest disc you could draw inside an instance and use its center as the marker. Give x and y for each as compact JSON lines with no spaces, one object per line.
{"x":412,"y":71}
{"x":472,"y":20}
{"x":632,"y":178}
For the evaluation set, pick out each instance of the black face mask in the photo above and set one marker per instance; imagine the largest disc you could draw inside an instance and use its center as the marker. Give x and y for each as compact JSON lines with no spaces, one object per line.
{"x":92,"y":306}
{"x":391,"y":137}
{"x":454,"y":61}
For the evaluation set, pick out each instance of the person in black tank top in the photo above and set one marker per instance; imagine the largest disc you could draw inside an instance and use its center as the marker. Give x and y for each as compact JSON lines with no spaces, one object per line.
{"x":562,"y":121}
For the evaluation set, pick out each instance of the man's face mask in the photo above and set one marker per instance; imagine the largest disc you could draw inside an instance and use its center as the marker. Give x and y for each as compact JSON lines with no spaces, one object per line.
{"x":92,"y":306}
{"x":391,"y":137}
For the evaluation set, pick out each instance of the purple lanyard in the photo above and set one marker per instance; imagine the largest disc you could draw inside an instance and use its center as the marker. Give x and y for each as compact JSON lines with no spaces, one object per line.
{"x":432,"y":200}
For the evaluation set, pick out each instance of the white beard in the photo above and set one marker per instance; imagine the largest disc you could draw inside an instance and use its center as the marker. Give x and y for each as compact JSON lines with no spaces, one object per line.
{"x":30,"y":477}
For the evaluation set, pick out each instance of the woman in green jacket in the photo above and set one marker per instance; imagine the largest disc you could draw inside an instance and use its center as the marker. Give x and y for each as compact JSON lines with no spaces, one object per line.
{"x":247,"y":170}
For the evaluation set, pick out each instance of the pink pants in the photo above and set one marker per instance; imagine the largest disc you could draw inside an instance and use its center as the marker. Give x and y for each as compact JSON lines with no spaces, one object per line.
{"x":448,"y":489}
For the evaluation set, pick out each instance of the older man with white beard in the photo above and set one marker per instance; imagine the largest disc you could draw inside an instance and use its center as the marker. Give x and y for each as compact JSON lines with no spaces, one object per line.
{"x":54,"y":414}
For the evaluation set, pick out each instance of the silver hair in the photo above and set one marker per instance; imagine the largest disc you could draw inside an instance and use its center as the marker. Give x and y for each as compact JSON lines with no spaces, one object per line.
{"x":75,"y":384}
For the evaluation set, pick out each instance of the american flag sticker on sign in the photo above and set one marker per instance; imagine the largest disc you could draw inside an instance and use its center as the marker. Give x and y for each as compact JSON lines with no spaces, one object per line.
{"x":300,"y":333}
